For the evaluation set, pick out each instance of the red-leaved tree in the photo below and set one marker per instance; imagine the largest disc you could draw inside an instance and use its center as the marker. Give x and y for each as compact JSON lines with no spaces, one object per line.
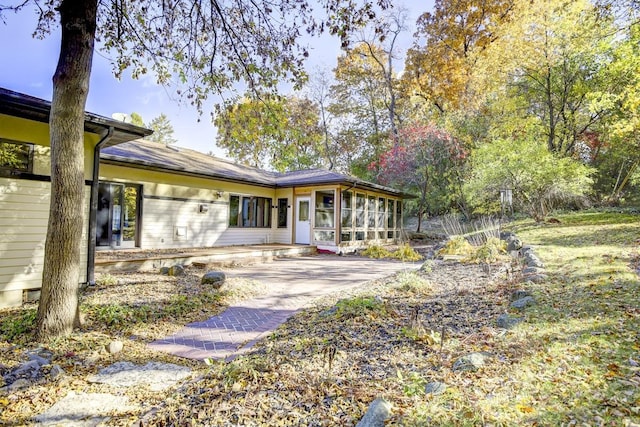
{"x":428,"y":162}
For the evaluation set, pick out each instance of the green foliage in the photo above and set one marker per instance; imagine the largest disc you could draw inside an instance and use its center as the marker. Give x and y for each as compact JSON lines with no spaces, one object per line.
{"x":412,"y":384}
{"x":539,"y":179}
{"x":359,"y":306}
{"x":114,"y":314}
{"x":282,"y":133}
{"x":406,"y":253}
{"x":162,"y":130}
{"x":490,"y":251}
{"x":106,"y":279}
{"x":457,"y":245}
{"x":17,"y":325}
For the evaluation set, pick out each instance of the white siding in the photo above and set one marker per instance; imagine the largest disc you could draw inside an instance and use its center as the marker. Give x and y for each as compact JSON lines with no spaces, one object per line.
{"x":164,"y":219}
{"x":24,"y":213}
{"x":283,"y":235}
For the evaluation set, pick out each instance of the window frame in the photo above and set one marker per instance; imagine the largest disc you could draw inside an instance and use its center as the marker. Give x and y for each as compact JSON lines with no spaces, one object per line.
{"x":252,"y":211}
{"x":7,"y":170}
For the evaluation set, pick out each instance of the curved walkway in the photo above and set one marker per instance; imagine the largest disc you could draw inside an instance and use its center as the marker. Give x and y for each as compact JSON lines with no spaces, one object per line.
{"x":294,"y":283}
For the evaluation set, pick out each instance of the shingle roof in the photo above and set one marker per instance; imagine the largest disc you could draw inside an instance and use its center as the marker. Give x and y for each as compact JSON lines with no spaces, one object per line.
{"x":147,"y":154}
{"x":29,"y":107}
{"x":152,"y":155}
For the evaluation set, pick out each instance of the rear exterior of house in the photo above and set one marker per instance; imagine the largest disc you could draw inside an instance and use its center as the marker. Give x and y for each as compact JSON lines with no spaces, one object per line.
{"x":158,"y":197}
{"x":145,"y":195}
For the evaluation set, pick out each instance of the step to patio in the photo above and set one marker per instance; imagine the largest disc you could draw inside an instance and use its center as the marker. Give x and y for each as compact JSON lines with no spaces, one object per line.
{"x":226,"y":256}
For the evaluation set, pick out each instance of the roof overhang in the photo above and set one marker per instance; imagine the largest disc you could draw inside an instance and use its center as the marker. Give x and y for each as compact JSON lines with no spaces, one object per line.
{"x":29,"y":107}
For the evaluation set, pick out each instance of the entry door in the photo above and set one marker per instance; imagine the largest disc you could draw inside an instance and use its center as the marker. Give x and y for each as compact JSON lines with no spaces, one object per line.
{"x":117,"y":216}
{"x":303,"y":220}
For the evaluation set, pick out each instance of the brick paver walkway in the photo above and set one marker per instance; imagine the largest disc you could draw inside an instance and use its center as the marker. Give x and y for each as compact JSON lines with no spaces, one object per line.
{"x":294,"y":284}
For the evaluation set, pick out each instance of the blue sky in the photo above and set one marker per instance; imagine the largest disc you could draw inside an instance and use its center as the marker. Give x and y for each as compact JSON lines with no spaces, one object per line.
{"x":28,"y":65}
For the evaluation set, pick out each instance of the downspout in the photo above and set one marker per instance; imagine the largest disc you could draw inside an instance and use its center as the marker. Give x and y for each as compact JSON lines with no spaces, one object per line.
{"x":93,"y":207}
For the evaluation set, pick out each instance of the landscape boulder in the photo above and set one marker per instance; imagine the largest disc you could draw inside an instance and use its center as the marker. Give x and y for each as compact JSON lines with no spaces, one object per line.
{"x":471,"y":362}
{"x":114,"y":347}
{"x":435,"y":388}
{"x":379,"y":411}
{"x":523,"y":302}
{"x":513,"y":244}
{"x":507,"y":322}
{"x":176,"y":270}
{"x":214,"y":278}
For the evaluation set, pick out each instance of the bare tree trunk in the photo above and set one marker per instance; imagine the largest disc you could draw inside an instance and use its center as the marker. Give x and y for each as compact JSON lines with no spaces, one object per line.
{"x":58,"y":310}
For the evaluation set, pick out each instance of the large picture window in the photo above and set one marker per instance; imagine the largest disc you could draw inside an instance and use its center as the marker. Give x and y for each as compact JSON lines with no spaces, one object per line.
{"x":249,"y":212}
{"x":15,"y":157}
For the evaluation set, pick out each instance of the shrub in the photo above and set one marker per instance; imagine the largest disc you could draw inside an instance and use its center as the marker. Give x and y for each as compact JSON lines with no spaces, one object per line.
{"x":406,"y":253}
{"x":490,"y":251}
{"x":457,"y":245}
{"x":376,"y":251}
{"x":106,"y":279}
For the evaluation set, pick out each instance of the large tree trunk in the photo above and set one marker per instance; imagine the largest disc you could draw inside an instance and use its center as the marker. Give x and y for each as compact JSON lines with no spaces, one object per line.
{"x":58,"y":310}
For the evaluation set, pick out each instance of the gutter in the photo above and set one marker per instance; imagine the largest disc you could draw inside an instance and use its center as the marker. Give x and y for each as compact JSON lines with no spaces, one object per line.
{"x":93,"y":207}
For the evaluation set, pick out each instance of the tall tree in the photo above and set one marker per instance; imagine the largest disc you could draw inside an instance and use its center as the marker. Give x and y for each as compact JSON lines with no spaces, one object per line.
{"x":551,"y":55}
{"x":429,"y":162}
{"x":162,"y":130}
{"x":282,"y":133}
{"x":207,"y":46}
{"x":440,"y":66}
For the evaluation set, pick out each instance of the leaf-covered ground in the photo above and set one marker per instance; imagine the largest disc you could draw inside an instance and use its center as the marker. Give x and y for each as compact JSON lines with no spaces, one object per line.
{"x":574,"y":360}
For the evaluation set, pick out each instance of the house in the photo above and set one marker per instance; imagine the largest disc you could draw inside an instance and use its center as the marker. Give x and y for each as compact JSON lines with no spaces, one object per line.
{"x":145,"y":195}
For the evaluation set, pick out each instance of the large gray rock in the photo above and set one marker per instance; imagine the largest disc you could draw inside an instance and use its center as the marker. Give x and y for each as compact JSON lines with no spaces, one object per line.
{"x":176,"y":270}
{"x":435,"y":387}
{"x":523,"y":302}
{"x":537,"y":278}
{"x":215,"y":278}
{"x":532,"y":270}
{"x":513,"y":243}
{"x":379,"y":411}
{"x":520,"y":293}
{"x":532,"y":261}
{"x":507,"y":322}
{"x":471,"y":362}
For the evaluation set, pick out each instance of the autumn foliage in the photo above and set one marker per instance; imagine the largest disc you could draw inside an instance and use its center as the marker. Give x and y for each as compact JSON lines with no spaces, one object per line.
{"x":427,"y":161}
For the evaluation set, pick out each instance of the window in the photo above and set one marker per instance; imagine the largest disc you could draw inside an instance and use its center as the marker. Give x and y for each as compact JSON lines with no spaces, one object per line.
{"x":324,"y":209}
{"x":399,"y":215}
{"x":282,"y":212}
{"x":381,"y":212}
{"x":234,"y":210}
{"x":360,"y":204}
{"x":371,"y":205}
{"x":390,"y":211}
{"x":346,"y":220}
{"x":249,"y":212}
{"x":15,"y":157}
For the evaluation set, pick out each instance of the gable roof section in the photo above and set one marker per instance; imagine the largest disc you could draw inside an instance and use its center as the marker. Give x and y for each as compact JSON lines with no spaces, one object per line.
{"x":154,"y":156}
{"x":29,"y":107}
